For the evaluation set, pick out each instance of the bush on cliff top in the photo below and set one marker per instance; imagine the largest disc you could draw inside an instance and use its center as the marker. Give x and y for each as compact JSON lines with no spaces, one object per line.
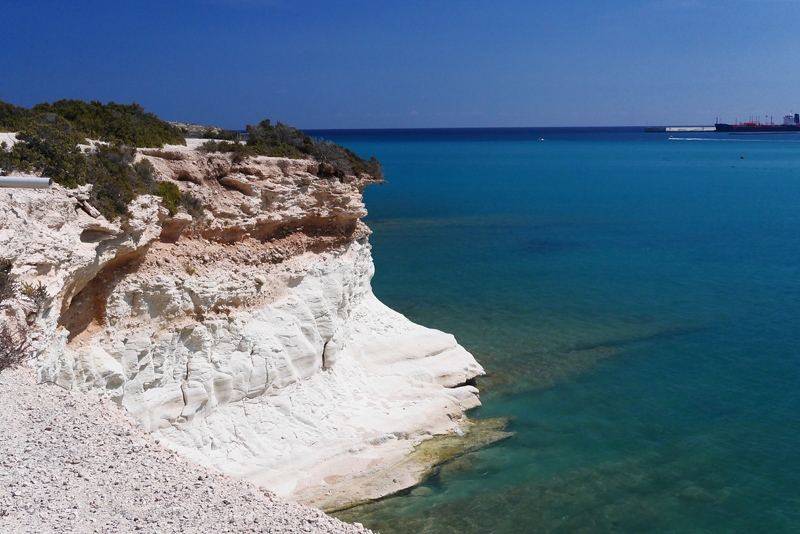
{"x":48,"y":136}
{"x":117,"y":181}
{"x":264,"y":139}
{"x":49,"y":147}
{"x":221,"y":134}
{"x":12,"y":118}
{"x":127,"y":124}
{"x":282,"y":140}
{"x":48,"y":144}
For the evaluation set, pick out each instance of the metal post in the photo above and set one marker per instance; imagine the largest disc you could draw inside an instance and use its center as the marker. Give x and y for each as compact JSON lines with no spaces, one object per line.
{"x":25,"y":182}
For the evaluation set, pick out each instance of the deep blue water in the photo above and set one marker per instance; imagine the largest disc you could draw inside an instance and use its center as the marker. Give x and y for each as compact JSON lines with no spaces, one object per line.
{"x":634,"y":300}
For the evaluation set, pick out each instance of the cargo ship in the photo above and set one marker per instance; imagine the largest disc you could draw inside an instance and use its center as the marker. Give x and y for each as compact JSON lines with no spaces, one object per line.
{"x":790,"y":124}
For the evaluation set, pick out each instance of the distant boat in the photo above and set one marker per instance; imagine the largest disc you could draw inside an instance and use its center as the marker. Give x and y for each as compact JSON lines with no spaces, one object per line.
{"x":790,"y":124}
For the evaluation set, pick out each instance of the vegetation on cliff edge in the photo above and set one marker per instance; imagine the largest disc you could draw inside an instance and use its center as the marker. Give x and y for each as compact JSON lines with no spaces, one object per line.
{"x":48,"y":139}
{"x":128,"y":124}
{"x":281,"y":140}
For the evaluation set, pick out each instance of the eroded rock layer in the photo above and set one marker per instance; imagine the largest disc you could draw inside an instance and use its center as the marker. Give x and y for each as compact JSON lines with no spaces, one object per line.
{"x":249,"y":339}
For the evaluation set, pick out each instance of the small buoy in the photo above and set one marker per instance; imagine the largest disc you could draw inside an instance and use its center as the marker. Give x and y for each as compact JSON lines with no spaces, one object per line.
{"x":741,"y":157}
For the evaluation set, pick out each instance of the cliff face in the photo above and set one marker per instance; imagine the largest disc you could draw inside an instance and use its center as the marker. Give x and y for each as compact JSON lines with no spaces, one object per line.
{"x":249,"y":340}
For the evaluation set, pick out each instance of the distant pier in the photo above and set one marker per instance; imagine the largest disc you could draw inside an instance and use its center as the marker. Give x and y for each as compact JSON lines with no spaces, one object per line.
{"x":662,"y":129}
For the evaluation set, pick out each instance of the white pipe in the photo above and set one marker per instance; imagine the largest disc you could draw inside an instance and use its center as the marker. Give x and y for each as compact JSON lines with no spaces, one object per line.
{"x":25,"y":181}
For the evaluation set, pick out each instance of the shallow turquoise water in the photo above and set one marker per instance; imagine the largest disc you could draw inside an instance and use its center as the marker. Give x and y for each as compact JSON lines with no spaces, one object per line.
{"x":634,"y":300}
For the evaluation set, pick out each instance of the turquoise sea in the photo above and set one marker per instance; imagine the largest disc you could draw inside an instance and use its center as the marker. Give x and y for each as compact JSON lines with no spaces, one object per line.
{"x":635,"y":301}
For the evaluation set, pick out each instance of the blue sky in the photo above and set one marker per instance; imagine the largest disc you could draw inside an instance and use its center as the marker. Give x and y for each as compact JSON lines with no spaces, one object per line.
{"x":410,"y":63}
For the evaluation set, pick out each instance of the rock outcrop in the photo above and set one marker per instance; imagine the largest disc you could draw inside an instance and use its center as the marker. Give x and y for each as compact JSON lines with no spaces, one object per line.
{"x":248,"y":340}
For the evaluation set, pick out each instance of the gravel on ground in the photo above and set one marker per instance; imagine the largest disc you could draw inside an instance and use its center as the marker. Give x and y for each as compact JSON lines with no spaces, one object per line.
{"x":73,"y":463}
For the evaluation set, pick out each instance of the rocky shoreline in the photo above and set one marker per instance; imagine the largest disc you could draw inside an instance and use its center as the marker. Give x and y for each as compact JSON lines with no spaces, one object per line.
{"x":246,"y":339}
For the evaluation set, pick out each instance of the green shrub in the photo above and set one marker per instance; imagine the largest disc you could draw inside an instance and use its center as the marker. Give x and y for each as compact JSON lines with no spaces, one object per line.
{"x":127,"y":124}
{"x":222,"y":134}
{"x":36,"y":294}
{"x":373,"y":168}
{"x":281,"y":140}
{"x":49,"y":135}
{"x":14,"y":344}
{"x":14,"y":337}
{"x":264,"y":139}
{"x":48,"y":144}
{"x":172,"y":199}
{"x":170,"y":195}
{"x":228,"y":147}
{"x":333,"y":159}
{"x":192,"y":205}
{"x":7,"y":284}
{"x":12,"y":118}
{"x":114,"y":181}
{"x":283,"y":151}
{"x":144,"y":178}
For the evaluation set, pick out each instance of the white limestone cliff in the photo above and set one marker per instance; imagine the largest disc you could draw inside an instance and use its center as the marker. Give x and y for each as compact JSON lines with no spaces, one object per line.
{"x":250,"y":340}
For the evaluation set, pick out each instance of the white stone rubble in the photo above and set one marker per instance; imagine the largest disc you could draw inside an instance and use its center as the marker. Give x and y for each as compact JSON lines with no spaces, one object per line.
{"x":72,"y":463}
